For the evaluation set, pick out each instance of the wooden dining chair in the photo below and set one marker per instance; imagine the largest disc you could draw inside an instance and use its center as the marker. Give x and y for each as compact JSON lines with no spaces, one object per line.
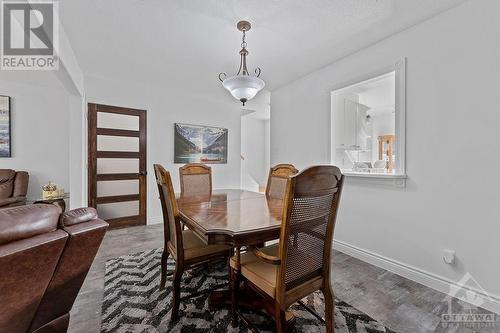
{"x":277,"y":178}
{"x":196,"y":179}
{"x":187,"y":249}
{"x":300,"y":264}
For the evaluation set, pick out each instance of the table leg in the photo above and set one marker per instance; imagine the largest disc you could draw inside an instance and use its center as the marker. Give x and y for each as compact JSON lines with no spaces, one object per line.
{"x":235,"y":281}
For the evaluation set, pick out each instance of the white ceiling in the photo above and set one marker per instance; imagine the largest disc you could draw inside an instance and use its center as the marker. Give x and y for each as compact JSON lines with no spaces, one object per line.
{"x":184,"y":44}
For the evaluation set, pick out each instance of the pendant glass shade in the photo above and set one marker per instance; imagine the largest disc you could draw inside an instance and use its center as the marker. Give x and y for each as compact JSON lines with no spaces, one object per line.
{"x":243,"y":87}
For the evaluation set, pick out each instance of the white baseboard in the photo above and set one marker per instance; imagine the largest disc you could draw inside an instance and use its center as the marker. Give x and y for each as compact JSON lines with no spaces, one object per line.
{"x":490,"y":301}
{"x":155,"y":220}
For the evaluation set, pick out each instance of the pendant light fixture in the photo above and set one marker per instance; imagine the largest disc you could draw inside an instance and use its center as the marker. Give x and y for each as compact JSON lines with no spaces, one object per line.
{"x":243,"y":86}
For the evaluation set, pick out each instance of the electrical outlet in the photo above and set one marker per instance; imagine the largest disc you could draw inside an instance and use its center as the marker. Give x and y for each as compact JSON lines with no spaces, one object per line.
{"x":449,"y":256}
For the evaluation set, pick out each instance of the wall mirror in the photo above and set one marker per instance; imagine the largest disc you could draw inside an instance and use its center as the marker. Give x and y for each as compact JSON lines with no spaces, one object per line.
{"x":368,"y":124}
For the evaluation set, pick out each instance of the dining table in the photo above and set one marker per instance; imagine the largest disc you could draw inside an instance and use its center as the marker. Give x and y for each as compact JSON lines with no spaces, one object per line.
{"x":237,"y":218}
{"x":233,"y":217}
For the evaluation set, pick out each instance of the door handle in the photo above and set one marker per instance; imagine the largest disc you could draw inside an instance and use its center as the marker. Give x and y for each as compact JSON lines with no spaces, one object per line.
{"x":143,"y":173}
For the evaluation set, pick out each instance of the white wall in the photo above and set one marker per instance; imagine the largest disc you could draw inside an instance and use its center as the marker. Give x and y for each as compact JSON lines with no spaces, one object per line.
{"x":451,"y":197}
{"x":77,"y":152}
{"x":39,"y":129}
{"x":163,"y":110}
{"x":267,"y":143}
{"x":253,"y":149}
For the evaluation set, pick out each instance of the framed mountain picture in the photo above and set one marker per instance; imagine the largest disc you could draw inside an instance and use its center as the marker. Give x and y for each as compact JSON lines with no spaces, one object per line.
{"x":200,"y":144}
{"x":5,"y":136}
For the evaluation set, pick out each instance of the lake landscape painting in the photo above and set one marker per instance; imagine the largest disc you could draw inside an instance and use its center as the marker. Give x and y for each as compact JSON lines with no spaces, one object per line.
{"x":5,"y":126}
{"x":200,"y":144}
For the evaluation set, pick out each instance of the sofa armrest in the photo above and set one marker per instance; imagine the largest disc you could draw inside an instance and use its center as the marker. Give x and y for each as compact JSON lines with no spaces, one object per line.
{"x":77,"y":216}
{"x":86,"y":232}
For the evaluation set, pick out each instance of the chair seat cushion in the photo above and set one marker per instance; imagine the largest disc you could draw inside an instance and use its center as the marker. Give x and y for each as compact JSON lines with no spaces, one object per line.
{"x":194,"y":247}
{"x":260,"y":273}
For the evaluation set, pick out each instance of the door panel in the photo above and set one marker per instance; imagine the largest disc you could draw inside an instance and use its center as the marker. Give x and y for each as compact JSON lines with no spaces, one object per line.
{"x":117,"y":164}
{"x":117,"y":121}
{"x":116,"y":210}
{"x":117,"y":187}
{"x":117,"y":143}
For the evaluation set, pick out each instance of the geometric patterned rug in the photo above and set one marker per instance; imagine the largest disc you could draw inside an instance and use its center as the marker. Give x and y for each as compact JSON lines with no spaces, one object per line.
{"x":133,"y":302}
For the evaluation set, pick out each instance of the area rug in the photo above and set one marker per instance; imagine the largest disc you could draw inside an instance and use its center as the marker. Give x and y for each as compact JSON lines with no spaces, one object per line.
{"x":133,"y":302}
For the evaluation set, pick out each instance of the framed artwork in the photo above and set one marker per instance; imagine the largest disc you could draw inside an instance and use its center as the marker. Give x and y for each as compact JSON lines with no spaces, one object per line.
{"x":200,"y":144}
{"x":5,"y":136}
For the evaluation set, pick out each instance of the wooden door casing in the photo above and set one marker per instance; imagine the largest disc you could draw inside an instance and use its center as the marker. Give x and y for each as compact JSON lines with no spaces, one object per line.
{"x":94,"y":154}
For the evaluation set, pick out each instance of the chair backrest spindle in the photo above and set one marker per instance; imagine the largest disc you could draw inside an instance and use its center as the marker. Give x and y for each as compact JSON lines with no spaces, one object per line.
{"x":196,"y":179}
{"x":277,"y":179}
{"x":309,"y":214}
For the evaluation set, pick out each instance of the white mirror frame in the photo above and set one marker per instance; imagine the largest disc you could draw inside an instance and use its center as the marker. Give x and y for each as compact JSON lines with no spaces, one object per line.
{"x":399,"y":67}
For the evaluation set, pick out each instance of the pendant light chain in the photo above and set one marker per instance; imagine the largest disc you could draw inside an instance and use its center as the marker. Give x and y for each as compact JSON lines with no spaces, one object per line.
{"x":243,"y":42}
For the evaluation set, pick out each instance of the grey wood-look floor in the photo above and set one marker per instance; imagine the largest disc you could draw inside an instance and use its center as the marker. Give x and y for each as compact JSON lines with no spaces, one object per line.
{"x":399,"y":303}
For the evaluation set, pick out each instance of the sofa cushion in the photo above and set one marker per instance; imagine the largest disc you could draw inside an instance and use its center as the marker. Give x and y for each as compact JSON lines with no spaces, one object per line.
{"x":9,"y":201}
{"x":6,"y":183}
{"x":21,"y":184}
{"x":27,"y":221}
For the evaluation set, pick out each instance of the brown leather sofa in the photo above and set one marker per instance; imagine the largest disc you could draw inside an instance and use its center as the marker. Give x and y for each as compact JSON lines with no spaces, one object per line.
{"x":13,"y":187}
{"x":44,"y":258}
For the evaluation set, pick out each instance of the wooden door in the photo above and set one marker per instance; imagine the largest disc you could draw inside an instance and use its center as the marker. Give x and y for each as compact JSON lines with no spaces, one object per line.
{"x":117,"y":166}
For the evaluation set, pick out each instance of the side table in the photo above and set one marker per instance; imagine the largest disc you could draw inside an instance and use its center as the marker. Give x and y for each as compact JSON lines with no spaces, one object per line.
{"x":60,"y":202}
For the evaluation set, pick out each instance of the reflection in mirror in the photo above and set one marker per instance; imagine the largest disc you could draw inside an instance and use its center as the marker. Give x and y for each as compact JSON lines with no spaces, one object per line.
{"x":364,"y":126}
